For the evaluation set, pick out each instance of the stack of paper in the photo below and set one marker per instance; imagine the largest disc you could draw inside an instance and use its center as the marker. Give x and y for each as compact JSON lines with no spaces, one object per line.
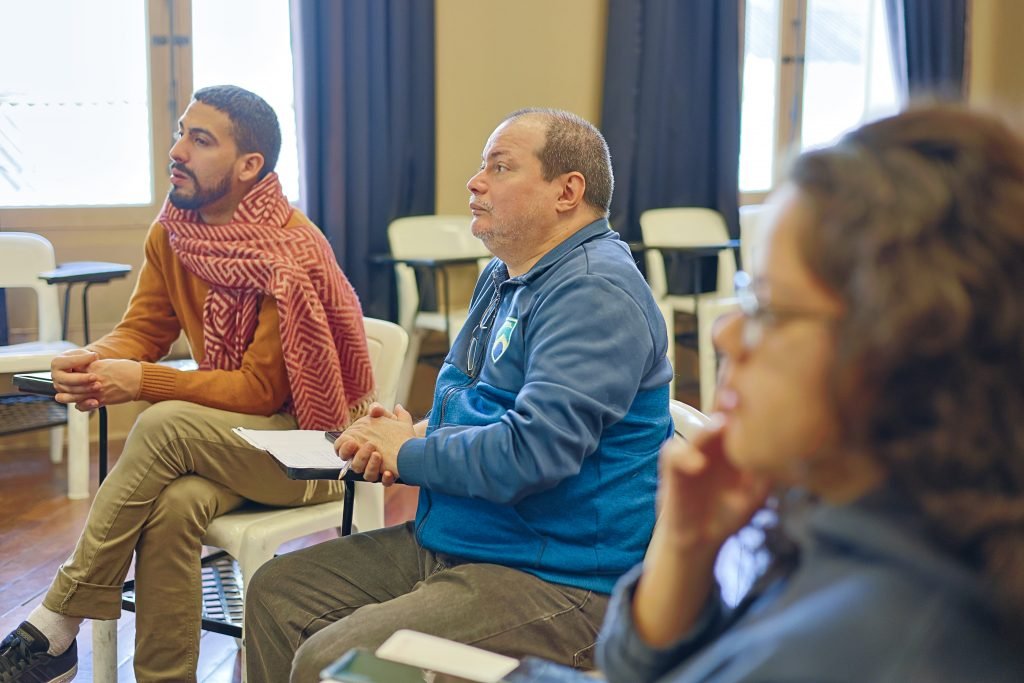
{"x":302,"y":453}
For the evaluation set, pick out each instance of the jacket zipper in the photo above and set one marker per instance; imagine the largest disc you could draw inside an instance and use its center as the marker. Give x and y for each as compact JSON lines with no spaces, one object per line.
{"x":490,"y":312}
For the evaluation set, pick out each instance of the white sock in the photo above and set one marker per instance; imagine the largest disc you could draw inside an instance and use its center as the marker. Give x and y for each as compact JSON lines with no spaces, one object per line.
{"x":60,"y":630}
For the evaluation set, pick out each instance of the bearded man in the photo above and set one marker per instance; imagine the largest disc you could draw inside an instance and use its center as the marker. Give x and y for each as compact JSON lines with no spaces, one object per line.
{"x":277,"y":332}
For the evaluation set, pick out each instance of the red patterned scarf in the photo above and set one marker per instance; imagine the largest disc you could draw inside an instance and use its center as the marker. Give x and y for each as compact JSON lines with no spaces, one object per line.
{"x":322,"y":335}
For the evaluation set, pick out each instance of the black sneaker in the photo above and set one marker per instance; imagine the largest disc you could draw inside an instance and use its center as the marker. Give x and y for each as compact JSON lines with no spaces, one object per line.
{"x":23,"y":658}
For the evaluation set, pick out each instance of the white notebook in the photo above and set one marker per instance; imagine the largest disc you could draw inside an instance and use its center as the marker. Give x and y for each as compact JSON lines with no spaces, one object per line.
{"x":446,"y":656}
{"x":302,"y":453}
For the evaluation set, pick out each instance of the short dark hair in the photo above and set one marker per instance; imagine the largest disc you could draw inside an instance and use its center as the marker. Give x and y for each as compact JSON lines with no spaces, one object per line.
{"x":919,"y":229}
{"x":253,"y":122}
{"x":574,"y":144}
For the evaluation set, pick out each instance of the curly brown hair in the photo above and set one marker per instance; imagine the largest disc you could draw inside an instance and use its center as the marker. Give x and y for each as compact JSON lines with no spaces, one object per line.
{"x":920,"y":231}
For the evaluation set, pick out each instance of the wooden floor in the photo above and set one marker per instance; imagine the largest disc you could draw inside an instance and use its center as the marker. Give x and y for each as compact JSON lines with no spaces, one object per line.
{"x":38,"y":529}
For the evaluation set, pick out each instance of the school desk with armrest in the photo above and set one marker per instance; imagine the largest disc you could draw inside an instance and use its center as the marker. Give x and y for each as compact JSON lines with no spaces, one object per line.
{"x":27,"y":261}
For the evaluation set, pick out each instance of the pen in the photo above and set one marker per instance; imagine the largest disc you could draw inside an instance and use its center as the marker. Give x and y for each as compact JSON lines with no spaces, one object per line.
{"x":332,"y":436}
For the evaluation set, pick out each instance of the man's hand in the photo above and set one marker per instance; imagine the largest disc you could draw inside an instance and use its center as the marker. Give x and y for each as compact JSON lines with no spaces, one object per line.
{"x":73,"y":381}
{"x":81,"y":378}
{"x":119,"y":380}
{"x":372,"y":443}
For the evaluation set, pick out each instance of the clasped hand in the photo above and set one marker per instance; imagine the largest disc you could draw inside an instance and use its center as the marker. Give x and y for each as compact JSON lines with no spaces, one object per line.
{"x":372,"y":443}
{"x":80,"y":377}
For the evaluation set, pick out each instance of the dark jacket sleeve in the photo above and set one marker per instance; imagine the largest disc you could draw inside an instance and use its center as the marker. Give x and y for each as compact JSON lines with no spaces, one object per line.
{"x":624,"y":657}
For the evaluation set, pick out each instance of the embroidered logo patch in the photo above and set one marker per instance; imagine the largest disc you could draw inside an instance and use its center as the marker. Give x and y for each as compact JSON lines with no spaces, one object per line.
{"x":504,"y":337}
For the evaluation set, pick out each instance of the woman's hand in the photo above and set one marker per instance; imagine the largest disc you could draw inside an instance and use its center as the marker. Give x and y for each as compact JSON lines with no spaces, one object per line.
{"x":702,"y":500}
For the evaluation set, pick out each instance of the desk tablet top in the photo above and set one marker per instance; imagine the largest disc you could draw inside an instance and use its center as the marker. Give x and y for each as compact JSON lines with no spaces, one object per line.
{"x":86,"y":271}
{"x":35,"y":383}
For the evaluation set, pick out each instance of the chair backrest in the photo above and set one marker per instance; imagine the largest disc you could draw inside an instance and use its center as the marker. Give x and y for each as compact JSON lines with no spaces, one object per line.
{"x":685,"y":227}
{"x":386,"y":343}
{"x":433,"y":236}
{"x":23,"y":256}
{"x":687,"y":420}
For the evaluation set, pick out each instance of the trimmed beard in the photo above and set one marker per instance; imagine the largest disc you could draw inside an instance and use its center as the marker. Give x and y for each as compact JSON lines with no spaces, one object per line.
{"x":201,"y":197}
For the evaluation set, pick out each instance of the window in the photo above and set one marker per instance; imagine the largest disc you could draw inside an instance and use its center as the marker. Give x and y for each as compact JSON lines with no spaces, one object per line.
{"x":224,"y":29}
{"x":88,"y":115}
{"x":74,"y":114}
{"x":813,"y":69}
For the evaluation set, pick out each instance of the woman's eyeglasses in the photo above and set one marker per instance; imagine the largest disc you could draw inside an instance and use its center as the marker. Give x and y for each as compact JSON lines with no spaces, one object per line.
{"x":758,"y":316}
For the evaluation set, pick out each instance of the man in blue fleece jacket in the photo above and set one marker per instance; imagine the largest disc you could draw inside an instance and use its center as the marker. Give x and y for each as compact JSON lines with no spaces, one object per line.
{"x":537,"y":464}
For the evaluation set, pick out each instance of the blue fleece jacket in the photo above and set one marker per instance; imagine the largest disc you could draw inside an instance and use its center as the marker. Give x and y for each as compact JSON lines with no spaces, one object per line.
{"x":549,"y":411}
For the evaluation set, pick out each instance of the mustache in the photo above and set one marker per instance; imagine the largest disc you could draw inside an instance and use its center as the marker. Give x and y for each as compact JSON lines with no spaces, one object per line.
{"x":175,"y":166}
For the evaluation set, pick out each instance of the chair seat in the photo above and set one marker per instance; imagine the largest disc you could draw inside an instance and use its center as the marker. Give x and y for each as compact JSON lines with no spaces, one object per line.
{"x":31,"y":356}
{"x":260,"y":529}
{"x":253,"y":533}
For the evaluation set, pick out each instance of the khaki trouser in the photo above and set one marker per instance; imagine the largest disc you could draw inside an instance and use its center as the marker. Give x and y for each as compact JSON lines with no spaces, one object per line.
{"x":181,"y":467}
{"x":307,"y":608}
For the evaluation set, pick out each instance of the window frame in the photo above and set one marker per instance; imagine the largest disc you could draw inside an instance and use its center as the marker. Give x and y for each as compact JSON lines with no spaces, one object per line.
{"x":789,"y":103}
{"x":789,"y":72}
{"x":168,"y":36}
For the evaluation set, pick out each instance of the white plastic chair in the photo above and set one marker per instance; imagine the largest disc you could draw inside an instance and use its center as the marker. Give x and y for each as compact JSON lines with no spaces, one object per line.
{"x":687,"y":420}
{"x":23,"y":256}
{"x":688,"y":227}
{"x":252,"y":537}
{"x":429,"y":237}
{"x":253,"y":533}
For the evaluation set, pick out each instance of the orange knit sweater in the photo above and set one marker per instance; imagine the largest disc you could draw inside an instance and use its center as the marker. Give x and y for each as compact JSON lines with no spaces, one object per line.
{"x":168,"y":299}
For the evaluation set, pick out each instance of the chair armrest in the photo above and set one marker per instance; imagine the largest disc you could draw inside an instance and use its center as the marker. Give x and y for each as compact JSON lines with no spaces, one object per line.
{"x":357,"y":477}
{"x":40,"y":383}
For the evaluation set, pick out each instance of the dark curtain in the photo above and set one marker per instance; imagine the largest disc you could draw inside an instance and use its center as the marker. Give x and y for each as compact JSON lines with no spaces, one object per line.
{"x":364,"y":88}
{"x":671,"y":111}
{"x":928,"y":39}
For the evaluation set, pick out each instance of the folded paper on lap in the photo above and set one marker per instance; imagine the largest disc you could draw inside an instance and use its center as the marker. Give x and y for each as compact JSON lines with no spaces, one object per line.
{"x":302,"y":453}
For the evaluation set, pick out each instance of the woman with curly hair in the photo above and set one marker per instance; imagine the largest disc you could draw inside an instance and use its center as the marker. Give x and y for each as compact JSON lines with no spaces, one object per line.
{"x":872,"y":380}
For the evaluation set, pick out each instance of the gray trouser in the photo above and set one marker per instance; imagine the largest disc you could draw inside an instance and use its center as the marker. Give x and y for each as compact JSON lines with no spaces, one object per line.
{"x":181,"y":467}
{"x":305,"y":609}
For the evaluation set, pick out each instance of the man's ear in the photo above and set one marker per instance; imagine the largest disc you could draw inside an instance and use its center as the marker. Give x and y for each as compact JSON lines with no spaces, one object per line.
{"x":573,"y":186}
{"x":249,"y":166}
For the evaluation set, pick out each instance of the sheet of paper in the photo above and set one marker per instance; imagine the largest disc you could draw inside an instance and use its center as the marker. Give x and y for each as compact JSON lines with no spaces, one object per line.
{"x":446,"y":656}
{"x":300,"y":448}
